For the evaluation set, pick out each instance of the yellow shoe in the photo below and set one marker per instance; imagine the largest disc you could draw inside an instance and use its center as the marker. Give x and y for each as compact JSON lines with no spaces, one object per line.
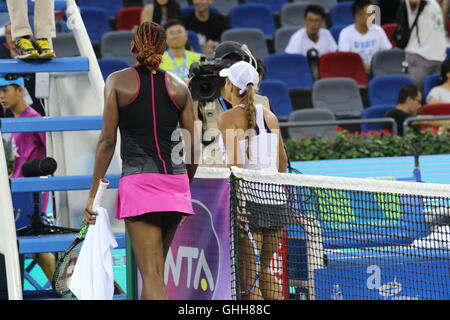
{"x":25,"y":49}
{"x":43,"y":47}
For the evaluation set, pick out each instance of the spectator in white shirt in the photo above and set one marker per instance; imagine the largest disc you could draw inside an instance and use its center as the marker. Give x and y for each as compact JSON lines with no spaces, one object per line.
{"x":426,"y":49}
{"x":312,"y":36}
{"x":363,"y":37}
{"x":441,"y":93}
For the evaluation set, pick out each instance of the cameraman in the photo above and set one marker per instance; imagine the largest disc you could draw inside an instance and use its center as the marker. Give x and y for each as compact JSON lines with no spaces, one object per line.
{"x":208,"y":111}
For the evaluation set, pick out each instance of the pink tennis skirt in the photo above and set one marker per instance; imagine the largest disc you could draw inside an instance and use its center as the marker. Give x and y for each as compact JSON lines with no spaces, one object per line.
{"x":153,"y":192}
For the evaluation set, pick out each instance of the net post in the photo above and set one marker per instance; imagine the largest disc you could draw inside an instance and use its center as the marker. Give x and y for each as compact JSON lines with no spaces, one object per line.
{"x":234,"y":238}
{"x":132,"y":293}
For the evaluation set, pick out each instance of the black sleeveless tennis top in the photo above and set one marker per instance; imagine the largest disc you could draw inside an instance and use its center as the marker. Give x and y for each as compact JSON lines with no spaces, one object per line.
{"x":146,"y":125}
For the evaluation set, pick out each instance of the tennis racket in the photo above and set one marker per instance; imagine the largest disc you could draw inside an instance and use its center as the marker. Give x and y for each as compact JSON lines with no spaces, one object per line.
{"x":254,"y":245}
{"x":66,"y":264}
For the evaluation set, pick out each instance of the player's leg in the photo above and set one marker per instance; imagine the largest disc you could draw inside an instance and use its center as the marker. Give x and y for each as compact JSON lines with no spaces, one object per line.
{"x":147,"y":240}
{"x":247,"y":266}
{"x":170,"y":225}
{"x":270,"y":287}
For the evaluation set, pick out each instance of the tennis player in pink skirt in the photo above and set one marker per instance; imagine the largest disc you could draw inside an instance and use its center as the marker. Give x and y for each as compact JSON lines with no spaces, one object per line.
{"x":154,"y":197}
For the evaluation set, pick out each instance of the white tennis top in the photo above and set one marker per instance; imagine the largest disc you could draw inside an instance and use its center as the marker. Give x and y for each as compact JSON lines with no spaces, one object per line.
{"x":260,"y":152}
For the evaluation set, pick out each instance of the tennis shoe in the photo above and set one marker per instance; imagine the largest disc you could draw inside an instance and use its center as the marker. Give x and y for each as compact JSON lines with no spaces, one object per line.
{"x":25,"y":49}
{"x":43,"y":48}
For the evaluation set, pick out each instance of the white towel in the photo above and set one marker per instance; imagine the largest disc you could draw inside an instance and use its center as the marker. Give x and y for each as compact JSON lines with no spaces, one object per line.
{"x":93,"y":277}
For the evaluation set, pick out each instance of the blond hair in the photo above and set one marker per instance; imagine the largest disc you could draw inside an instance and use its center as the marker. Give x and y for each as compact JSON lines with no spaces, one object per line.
{"x":250,"y":108}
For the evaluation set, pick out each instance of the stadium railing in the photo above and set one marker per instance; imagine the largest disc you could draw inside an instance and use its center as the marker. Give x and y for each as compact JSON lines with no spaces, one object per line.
{"x":425,"y":118}
{"x":340,"y":122}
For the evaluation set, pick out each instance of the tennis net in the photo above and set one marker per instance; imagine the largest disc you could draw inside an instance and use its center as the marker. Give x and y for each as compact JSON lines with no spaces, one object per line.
{"x":311,"y":237}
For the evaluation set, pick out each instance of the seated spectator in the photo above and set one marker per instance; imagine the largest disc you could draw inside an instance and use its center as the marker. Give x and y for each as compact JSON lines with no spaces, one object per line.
{"x":313,"y":35}
{"x":363,"y":37}
{"x":27,"y":146}
{"x":208,"y":25}
{"x":408,"y":104}
{"x":160,"y":11}
{"x":176,"y":58}
{"x":441,"y":93}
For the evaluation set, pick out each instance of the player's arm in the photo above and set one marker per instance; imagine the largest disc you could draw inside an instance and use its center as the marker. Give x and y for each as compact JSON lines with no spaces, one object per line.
{"x":275,"y":128}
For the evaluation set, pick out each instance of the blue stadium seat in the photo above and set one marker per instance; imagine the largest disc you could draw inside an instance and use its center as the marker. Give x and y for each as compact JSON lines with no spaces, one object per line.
{"x":341,"y":14}
{"x":253,"y":16}
{"x":429,"y":83}
{"x":96,"y":22}
{"x":372,"y":112}
{"x":278,"y":94}
{"x":108,"y":66}
{"x":193,"y":41}
{"x":291,"y":69}
{"x":111,"y":7}
{"x":385,"y":89}
{"x":185,"y":11}
{"x":275,"y":5}
{"x":336,"y":31}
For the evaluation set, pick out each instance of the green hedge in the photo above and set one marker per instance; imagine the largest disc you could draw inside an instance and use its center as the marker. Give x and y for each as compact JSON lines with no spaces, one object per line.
{"x":373,"y":144}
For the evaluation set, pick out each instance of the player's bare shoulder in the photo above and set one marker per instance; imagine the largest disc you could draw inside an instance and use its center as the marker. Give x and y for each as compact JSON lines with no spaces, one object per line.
{"x":229,"y":118}
{"x":122,"y":76}
{"x":177,"y":88}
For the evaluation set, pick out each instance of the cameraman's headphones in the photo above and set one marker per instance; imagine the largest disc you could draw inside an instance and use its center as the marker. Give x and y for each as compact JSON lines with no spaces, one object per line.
{"x":252,"y":61}
{"x":241,"y":50}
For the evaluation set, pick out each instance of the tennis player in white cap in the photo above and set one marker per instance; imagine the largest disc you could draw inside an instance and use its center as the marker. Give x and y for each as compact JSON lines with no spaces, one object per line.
{"x":252,"y":140}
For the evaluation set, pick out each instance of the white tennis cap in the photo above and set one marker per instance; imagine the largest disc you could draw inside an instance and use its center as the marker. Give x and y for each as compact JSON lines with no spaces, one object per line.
{"x":241,"y":74}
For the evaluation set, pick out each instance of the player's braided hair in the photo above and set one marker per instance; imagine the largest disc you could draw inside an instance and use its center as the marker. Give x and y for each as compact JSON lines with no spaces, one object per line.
{"x":148,"y":44}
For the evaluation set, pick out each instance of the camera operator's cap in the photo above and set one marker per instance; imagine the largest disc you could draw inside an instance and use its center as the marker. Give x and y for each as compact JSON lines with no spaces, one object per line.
{"x":241,"y":74}
{"x":18,"y":81}
{"x":229,"y":47}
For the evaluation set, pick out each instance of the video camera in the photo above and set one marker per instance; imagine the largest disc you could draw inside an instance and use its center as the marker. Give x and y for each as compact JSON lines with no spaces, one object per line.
{"x":206,"y":83}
